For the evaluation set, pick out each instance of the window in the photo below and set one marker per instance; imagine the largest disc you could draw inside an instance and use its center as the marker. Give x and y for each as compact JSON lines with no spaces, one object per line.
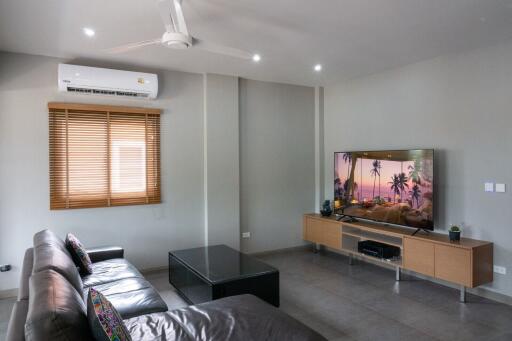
{"x":103,"y":155}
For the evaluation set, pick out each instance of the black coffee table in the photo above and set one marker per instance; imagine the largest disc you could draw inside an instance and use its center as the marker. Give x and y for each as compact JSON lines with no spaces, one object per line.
{"x":207,"y":273}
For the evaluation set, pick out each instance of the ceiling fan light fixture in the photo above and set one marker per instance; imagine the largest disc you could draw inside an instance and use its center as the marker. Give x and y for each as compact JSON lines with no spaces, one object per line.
{"x":176,"y":40}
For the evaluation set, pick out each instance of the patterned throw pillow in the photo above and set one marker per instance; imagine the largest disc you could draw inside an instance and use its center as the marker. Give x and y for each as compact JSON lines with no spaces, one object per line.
{"x":105,"y":322}
{"x":79,"y":254}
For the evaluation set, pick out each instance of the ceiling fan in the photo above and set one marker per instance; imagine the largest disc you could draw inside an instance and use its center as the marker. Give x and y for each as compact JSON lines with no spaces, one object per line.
{"x":176,"y":35}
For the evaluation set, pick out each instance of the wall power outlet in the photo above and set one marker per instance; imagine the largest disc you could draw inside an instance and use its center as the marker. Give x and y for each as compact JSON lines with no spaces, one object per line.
{"x":246,"y":234}
{"x":5,"y":267}
{"x":500,"y":269}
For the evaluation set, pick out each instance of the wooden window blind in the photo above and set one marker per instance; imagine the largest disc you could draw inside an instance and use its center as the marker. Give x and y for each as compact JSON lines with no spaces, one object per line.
{"x":103,"y":156}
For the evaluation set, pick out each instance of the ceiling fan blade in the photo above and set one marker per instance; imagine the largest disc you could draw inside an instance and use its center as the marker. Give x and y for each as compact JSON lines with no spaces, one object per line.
{"x":219,"y":49}
{"x":178,"y":18}
{"x":133,"y":46}
{"x":164,"y":7}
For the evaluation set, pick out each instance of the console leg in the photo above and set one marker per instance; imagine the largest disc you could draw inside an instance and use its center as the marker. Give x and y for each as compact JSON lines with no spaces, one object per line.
{"x":462,"y":298}
{"x":398,"y":274}
{"x":316,"y":248}
{"x":350,"y":259}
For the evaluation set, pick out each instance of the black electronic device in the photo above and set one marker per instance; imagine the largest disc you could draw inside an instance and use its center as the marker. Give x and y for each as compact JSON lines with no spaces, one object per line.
{"x":378,"y":250}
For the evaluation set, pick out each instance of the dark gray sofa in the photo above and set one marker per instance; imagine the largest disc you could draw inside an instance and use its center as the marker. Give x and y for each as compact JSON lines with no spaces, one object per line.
{"x":51,"y":303}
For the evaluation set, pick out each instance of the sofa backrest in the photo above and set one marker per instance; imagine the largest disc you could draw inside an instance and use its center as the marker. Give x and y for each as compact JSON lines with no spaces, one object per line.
{"x":48,"y":237}
{"x":56,"y":311}
{"x":50,"y":254}
{"x":26,"y":271}
{"x":16,"y":327}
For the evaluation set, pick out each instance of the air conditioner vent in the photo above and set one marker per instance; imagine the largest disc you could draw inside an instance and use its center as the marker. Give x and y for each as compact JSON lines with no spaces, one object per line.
{"x":107,"y":92}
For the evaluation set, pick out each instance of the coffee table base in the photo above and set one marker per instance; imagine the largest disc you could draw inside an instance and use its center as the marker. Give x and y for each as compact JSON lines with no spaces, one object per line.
{"x":194,"y":289}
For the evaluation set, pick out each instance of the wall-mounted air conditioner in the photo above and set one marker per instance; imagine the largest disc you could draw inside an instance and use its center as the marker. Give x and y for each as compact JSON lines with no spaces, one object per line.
{"x":98,"y":81}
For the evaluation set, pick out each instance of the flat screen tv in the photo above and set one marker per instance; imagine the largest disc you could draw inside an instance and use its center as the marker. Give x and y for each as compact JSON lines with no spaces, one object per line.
{"x":389,"y":186}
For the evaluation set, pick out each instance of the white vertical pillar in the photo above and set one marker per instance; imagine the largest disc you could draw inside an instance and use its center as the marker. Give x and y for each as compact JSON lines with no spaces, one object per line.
{"x":319,"y":147}
{"x":221,"y":161}
{"x":205,"y":159}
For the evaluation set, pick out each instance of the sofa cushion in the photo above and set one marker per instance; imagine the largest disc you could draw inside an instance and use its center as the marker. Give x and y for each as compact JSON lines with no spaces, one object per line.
{"x":56,"y":311}
{"x":48,"y":256}
{"x":132,"y":297}
{"x":105,"y":322}
{"x":109,"y":271}
{"x":157,"y":327}
{"x":16,"y":327}
{"x":26,"y":271}
{"x":79,"y":254}
{"x":243,"y":317}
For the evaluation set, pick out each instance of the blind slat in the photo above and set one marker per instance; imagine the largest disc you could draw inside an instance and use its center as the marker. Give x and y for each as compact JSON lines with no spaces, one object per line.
{"x":103,"y":158}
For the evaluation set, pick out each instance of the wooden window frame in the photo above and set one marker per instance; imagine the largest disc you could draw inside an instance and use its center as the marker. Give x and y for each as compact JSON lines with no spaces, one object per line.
{"x":59,"y":113}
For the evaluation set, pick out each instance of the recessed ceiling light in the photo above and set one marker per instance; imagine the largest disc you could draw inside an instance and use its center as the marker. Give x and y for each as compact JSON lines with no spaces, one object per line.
{"x":89,"y":32}
{"x":317,"y":67}
{"x":256,"y":58}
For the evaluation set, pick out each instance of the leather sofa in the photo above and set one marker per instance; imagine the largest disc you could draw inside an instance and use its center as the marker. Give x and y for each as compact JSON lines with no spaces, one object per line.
{"x":52,"y":295}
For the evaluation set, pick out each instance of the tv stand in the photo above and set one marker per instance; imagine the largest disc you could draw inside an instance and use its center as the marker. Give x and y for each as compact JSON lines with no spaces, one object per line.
{"x":468,"y":262}
{"x":420,"y":229}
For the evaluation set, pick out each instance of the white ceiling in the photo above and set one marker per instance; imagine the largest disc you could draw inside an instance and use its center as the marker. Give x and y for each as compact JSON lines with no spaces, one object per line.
{"x":350,"y":38}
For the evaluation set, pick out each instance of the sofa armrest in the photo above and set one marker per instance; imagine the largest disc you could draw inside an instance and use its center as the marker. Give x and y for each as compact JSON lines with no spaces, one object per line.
{"x":101,"y":253}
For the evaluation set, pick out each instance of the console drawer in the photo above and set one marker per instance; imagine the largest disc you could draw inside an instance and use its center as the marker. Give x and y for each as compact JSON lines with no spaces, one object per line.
{"x":453,"y":264}
{"x":419,"y":256}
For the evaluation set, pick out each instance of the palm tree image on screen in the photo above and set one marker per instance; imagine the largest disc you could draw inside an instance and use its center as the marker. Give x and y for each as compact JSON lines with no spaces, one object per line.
{"x":404,"y":199}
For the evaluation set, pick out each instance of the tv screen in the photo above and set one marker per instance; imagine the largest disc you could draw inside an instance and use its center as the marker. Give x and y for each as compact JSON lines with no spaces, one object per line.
{"x":391,"y":186}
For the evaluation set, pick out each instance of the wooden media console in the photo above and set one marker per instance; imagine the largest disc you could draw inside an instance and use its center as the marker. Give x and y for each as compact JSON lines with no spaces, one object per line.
{"x":468,"y":262}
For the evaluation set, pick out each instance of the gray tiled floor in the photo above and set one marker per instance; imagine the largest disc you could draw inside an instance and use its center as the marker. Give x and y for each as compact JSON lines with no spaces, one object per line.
{"x":363,"y":302}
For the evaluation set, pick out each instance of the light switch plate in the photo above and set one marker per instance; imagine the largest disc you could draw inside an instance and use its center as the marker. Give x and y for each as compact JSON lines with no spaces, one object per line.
{"x":500,"y":188}
{"x":489,"y":187}
{"x":246,"y":235}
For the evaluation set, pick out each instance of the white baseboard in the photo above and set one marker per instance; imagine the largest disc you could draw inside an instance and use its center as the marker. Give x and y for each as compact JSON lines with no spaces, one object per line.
{"x":277,"y":251}
{"x":148,"y":271}
{"x":9,"y":293}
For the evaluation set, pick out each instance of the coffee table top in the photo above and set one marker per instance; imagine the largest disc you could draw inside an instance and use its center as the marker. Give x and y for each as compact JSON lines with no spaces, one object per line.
{"x":220,"y":263}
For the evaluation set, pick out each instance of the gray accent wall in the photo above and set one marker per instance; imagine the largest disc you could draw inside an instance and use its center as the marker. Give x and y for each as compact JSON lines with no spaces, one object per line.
{"x":277,"y":163}
{"x":461,"y":105}
{"x":221,"y":160}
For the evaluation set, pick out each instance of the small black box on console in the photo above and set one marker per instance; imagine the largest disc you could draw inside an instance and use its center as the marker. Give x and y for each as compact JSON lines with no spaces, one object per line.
{"x":379,"y":250}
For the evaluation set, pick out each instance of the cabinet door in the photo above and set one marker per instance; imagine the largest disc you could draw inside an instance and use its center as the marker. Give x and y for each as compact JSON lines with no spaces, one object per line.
{"x":453,"y":264}
{"x":331,"y":235}
{"x":322,"y":232}
{"x":419,"y":256}
{"x":313,"y":230}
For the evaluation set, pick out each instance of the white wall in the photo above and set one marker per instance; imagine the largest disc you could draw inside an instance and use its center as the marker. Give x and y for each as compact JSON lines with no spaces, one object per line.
{"x":200,"y":133}
{"x":461,"y":105}
{"x":277,"y":163}
{"x":147,"y":232}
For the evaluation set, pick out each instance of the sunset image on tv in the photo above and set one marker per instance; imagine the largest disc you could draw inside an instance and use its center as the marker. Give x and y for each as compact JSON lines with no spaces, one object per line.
{"x":389,"y":186}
